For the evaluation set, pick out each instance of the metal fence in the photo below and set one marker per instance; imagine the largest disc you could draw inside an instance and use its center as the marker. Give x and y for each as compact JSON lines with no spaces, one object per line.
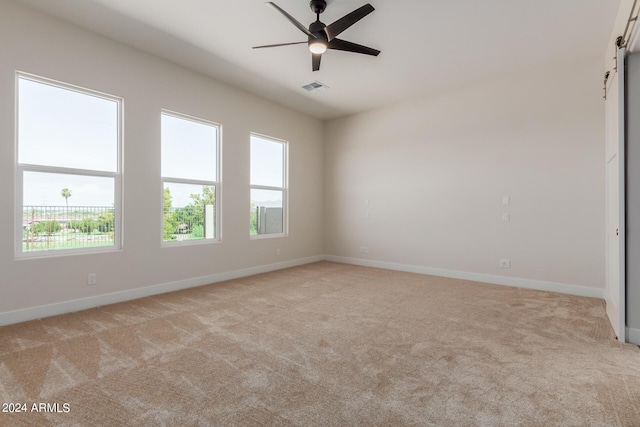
{"x":69,"y":227}
{"x":66,"y":227}
{"x":189,"y":223}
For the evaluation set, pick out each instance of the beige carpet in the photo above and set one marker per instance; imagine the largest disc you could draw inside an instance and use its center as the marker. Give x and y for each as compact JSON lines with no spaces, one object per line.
{"x":326,"y":345}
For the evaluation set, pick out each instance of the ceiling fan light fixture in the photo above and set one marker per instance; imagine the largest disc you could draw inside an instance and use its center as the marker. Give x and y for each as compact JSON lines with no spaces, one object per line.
{"x":318,"y":47}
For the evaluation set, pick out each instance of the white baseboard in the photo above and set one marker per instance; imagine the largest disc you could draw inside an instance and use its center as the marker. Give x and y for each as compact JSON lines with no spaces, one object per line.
{"x":31,"y":313}
{"x":633,"y":336}
{"x":540,"y":285}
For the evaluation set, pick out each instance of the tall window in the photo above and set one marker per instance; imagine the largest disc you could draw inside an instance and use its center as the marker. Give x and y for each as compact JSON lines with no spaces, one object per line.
{"x":268,"y":214}
{"x":68,"y":168}
{"x":190,"y":168}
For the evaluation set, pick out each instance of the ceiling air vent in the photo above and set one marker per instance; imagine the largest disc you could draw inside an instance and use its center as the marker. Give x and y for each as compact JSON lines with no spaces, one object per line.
{"x":315,"y":86}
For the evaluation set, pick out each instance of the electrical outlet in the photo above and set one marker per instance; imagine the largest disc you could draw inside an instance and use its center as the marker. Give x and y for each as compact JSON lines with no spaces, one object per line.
{"x":91,"y":279}
{"x":278,"y":251}
{"x":364,"y":249}
{"x":505,"y":263}
{"x":506,"y":217}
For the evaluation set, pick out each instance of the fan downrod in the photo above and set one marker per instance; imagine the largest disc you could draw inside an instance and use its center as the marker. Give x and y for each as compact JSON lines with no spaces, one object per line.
{"x":318,"y":6}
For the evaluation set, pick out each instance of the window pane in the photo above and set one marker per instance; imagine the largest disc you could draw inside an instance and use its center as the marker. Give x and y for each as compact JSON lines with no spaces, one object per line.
{"x":189,"y":149}
{"x":266,"y":215}
{"x":267,"y":159}
{"x":189,"y":212}
{"x":63,"y":211}
{"x":65,"y":128}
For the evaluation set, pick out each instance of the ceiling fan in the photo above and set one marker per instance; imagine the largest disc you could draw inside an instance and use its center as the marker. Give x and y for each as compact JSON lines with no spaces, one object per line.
{"x":322,"y":37}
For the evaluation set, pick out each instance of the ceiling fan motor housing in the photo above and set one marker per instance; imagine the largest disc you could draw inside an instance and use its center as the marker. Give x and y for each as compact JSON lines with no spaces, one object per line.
{"x":318,"y":6}
{"x":316,"y":28}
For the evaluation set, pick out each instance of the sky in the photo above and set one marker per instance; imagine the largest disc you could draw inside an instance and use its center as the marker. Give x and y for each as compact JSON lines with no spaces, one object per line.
{"x":45,"y":189}
{"x":65,"y":128}
{"x":188,"y":149}
{"x":59,"y":127}
{"x":266,"y":162}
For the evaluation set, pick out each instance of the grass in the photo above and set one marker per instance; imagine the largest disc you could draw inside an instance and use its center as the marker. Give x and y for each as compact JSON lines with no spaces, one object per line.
{"x":66,"y":241}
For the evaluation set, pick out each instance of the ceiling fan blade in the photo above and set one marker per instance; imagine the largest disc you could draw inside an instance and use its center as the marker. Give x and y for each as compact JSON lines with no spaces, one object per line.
{"x":338,"y":44}
{"x":346,"y":21}
{"x":315,"y":61}
{"x":276,"y":45}
{"x":291,"y":19}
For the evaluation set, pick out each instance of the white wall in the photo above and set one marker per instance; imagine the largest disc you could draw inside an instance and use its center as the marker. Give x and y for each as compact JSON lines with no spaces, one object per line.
{"x":434,"y":172}
{"x":35,"y":43}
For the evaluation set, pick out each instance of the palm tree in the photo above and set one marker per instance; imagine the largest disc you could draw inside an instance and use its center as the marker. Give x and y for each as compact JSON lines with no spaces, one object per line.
{"x":66,"y":193}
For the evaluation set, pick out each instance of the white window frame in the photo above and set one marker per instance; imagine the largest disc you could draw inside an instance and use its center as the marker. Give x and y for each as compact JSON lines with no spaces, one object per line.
{"x":21,"y":168}
{"x":284,"y":188}
{"x":216,"y":184}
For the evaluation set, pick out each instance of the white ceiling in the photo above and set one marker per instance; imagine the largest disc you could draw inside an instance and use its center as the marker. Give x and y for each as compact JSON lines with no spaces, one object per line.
{"x":428,"y":46}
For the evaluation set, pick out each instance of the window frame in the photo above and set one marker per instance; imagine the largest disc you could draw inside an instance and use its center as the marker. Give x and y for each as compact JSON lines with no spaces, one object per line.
{"x":21,"y":168}
{"x":216,"y":184}
{"x":284,"y":188}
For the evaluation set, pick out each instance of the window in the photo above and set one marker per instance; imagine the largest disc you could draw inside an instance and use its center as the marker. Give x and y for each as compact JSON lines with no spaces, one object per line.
{"x":68,"y":169}
{"x":190,"y":168}
{"x":268,"y":187}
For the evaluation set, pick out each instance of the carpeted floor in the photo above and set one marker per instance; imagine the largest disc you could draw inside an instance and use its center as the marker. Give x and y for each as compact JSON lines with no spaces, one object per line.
{"x":326,"y":345}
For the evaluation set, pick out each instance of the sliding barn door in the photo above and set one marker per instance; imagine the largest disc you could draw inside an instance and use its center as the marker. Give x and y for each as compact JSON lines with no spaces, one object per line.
{"x":615,"y":197}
